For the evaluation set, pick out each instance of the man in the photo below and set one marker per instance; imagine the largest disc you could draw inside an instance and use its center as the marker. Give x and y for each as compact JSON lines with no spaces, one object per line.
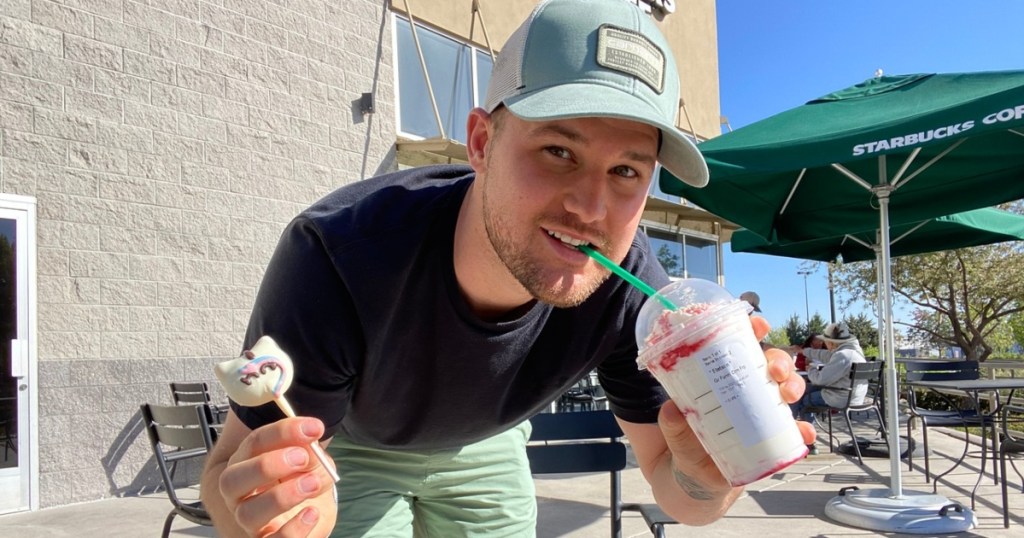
{"x":828,"y":373}
{"x":430,"y":313}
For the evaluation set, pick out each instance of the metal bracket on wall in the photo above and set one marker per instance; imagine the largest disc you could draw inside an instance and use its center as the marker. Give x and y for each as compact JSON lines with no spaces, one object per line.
{"x":366,"y":104}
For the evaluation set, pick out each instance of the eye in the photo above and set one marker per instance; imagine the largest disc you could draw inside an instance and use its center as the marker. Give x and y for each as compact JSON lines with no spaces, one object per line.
{"x":625,"y":171}
{"x":559,"y":152}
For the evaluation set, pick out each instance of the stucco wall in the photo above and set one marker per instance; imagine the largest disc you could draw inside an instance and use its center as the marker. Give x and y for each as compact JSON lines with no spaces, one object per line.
{"x":167,"y":143}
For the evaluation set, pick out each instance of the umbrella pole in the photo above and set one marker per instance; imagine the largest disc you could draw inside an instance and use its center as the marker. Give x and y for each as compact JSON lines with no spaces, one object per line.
{"x":891,"y":510}
{"x":892,"y":394}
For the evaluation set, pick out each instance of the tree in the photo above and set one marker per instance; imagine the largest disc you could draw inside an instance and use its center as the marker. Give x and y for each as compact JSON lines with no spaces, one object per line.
{"x":1016,"y":323}
{"x":671,"y":262}
{"x":864,"y":328}
{"x":778,"y":337}
{"x":795,"y":331}
{"x":816,"y":325}
{"x":962,"y":298}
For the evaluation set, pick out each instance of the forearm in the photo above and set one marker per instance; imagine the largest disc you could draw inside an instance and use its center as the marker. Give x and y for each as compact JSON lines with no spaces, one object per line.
{"x":687,"y":499}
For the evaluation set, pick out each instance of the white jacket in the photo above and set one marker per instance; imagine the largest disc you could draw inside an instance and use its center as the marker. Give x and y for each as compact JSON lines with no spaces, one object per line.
{"x":832,"y":369}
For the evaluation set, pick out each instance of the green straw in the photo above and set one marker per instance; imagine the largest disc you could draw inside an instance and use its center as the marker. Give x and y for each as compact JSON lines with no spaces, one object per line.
{"x":627,"y":276}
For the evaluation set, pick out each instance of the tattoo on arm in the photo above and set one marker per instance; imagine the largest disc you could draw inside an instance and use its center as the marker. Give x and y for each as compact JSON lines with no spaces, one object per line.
{"x":692,"y":487}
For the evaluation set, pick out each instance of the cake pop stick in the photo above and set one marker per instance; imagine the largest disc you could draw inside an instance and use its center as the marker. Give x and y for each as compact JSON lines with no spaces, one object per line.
{"x":261,"y":375}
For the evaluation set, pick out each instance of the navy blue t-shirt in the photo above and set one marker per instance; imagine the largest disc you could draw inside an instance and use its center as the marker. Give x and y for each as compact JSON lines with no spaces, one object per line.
{"x":361,"y":293}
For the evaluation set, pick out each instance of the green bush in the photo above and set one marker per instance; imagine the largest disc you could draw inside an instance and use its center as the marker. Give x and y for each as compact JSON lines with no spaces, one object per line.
{"x":929,"y":399}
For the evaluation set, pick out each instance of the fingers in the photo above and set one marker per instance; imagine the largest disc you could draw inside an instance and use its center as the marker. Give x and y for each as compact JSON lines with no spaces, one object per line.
{"x":269,"y":454}
{"x":761,"y":327}
{"x":273,"y":471}
{"x":780,"y":368}
{"x":274,"y":508}
{"x":302,"y":524}
{"x":807,"y":431}
{"x":780,"y":364}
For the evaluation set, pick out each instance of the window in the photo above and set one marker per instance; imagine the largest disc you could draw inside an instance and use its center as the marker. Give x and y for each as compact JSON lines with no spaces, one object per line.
{"x":669,"y":250}
{"x":685,"y":256}
{"x":701,"y":258}
{"x":458,"y":75}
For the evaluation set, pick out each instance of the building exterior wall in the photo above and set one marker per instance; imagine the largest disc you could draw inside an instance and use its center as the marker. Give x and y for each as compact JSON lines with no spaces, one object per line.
{"x":167,"y":143}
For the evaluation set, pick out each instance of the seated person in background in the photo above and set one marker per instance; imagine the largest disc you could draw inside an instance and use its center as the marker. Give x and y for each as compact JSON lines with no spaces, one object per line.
{"x":814,"y":341}
{"x":828,"y":372}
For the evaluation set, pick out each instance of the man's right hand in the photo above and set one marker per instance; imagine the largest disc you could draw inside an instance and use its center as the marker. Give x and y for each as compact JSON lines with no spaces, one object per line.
{"x":267,"y":482}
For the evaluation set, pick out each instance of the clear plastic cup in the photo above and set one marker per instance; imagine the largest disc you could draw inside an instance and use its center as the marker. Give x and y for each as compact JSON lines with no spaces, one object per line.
{"x":704,"y":353}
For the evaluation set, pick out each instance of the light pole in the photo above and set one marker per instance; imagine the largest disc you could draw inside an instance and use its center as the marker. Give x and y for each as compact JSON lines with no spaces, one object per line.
{"x":807,"y":309}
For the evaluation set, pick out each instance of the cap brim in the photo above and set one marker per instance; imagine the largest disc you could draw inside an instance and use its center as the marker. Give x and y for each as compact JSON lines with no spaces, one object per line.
{"x":678,"y":154}
{"x":757,"y":308}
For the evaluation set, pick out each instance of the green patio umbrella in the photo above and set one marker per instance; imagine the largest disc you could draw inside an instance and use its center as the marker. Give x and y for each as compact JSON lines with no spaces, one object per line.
{"x":960,"y":230}
{"x":898,"y":149}
{"x":933,"y":144}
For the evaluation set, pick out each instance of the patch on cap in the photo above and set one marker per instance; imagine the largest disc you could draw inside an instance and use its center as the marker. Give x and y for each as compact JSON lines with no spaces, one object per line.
{"x":631,"y":53}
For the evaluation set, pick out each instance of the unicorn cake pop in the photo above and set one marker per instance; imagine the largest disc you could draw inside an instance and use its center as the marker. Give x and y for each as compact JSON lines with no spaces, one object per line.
{"x":262,"y":375}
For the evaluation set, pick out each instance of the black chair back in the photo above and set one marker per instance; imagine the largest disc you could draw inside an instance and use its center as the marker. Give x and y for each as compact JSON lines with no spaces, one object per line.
{"x":941,"y":370}
{"x":176,"y":433}
{"x":588,"y":442}
{"x":595,"y":447}
{"x":948,"y":413}
{"x":604,"y":453}
{"x":865,"y":371}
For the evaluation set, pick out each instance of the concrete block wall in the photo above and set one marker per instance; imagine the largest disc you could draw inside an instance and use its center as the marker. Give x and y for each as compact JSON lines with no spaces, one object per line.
{"x":167,"y":143}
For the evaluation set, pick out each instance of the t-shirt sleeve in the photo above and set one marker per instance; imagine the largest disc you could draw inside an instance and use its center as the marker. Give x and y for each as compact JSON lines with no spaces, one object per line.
{"x":305,"y":306}
{"x":633,"y":394}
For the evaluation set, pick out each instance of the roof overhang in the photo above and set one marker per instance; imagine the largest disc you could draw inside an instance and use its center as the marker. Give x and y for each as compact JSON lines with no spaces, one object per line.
{"x":685,"y":217}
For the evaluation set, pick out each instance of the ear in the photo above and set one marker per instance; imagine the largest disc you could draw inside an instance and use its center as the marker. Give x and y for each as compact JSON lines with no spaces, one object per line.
{"x":478,"y":134}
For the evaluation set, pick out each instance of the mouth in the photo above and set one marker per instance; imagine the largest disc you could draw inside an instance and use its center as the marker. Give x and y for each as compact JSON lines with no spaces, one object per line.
{"x":569,"y":241}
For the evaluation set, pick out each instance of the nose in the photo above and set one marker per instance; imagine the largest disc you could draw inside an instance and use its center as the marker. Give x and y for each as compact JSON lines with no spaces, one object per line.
{"x":587,"y":198}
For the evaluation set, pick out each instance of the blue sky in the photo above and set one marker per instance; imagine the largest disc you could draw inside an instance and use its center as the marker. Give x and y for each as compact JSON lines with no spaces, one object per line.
{"x":777,"y":55}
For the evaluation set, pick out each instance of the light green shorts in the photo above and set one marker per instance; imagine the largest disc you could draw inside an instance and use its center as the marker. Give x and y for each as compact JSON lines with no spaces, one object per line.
{"x":483,"y":489}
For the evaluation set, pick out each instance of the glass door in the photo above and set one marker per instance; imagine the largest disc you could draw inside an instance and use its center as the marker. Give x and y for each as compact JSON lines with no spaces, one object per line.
{"x":17,"y":357}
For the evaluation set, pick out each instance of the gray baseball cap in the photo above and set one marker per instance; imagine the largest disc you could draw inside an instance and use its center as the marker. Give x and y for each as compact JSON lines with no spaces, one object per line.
{"x":595,"y":58}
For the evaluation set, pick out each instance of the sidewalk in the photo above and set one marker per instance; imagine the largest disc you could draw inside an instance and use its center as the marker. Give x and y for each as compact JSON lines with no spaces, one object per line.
{"x":790,"y":503}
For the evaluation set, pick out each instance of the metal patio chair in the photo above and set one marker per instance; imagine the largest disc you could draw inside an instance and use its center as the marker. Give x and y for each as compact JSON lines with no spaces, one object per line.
{"x":952,"y":416}
{"x":177,"y":433}
{"x":588,"y":442}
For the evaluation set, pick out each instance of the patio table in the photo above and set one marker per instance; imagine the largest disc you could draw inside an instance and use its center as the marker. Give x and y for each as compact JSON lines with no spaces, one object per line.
{"x":974,"y":388}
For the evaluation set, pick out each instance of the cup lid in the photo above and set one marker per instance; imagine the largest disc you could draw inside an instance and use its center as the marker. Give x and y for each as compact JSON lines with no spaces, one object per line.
{"x":699,"y":303}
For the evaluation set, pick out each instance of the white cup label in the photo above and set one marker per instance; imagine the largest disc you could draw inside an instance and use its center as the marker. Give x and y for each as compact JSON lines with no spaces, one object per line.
{"x":737,"y":373}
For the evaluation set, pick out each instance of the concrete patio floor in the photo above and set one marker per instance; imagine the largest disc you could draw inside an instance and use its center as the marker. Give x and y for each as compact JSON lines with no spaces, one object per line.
{"x":789,"y":503}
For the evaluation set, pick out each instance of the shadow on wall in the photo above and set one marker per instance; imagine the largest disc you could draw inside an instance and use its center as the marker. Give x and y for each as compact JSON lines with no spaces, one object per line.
{"x":147,"y":479}
{"x":388,"y":164}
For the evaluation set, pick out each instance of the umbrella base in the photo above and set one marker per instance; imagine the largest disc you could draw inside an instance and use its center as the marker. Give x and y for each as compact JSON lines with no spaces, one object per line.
{"x":912,"y":513}
{"x":879,"y":448}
